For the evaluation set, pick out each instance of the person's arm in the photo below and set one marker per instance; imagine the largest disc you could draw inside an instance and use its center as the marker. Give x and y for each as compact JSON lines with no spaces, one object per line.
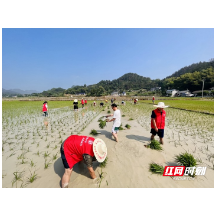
{"x":110,"y":120}
{"x":92,"y":172}
{"x":109,"y":115}
{"x":154,"y":123}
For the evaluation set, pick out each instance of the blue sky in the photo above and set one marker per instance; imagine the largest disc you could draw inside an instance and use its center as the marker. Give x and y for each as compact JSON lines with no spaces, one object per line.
{"x":41,"y":59}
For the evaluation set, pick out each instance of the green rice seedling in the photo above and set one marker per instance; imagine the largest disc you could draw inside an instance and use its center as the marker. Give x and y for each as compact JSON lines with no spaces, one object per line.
{"x":131,"y":119}
{"x":54,"y":157}
{"x":46,"y":154}
{"x":47,"y":164}
{"x":93,"y":132}
{"x":156,"y":169}
{"x":127,"y":126}
{"x":102,"y":124}
{"x":23,"y":161}
{"x":104,"y":163}
{"x":38,"y":153}
{"x":48,"y":145}
{"x":55,"y":147}
{"x":17,"y":177}
{"x":12,"y":154}
{"x":123,"y":115}
{"x":38,"y":144}
{"x":32,"y":178}
{"x":32,"y":164}
{"x":155,"y":145}
{"x":108,"y":111}
{"x":101,"y":177}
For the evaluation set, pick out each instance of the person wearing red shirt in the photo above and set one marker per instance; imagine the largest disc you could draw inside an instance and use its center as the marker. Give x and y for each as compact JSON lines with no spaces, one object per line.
{"x":45,"y":108}
{"x":82,"y":102}
{"x":153,"y":99}
{"x":85,"y":102}
{"x":81,"y":148}
{"x":158,"y":121}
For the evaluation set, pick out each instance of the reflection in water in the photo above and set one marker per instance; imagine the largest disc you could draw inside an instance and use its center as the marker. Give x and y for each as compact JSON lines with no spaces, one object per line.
{"x":46,"y":122}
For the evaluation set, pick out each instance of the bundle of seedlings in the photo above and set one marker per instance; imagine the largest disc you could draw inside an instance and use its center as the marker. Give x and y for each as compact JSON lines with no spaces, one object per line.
{"x":102,"y":124}
{"x":156,"y":169}
{"x":94,"y":132}
{"x":104,"y":163}
{"x":127,"y":126}
{"x":187,"y":160}
{"x":121,"y":128}
{"x":108,"y":111}
{"x":154,"y":145}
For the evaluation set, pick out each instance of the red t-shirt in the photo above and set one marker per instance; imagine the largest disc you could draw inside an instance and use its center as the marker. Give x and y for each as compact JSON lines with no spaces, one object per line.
{"x":75,"y":146}
{"x":82,"y":101}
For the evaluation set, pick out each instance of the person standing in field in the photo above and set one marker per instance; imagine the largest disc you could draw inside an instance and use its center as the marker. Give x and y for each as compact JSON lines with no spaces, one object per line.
{"x":158,"y":121}
{"x":135,"y":101}
{"x":94,"y":103}
{"x":75,"y":103}
{"x":116,"y":120}
{"x":45,"y":108}
{"x":153,"y":99}
{"x":85,"y":102}
{"x":82,"y":102}
{"x":81,"y":148}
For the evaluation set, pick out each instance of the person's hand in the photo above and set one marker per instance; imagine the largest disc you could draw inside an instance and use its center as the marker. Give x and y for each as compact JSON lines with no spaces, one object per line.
{"x":156,"y":129}
{"x":107,"y":120}
{"x":96,"y":182}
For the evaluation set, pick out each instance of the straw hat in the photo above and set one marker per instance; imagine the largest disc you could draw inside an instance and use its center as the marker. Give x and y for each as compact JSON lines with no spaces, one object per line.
{"x":75,"y":100}
{"x":160,"y":105}
{"x":100,"y":150}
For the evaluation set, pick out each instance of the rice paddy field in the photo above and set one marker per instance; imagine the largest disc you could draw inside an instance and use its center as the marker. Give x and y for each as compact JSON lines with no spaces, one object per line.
{"x":31,"y":142}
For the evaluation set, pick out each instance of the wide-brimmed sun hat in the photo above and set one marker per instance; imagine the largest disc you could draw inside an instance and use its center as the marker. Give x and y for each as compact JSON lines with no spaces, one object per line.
{"x":100,"y":150}
{"x":75,"y":100}
{"x":160,"y":105}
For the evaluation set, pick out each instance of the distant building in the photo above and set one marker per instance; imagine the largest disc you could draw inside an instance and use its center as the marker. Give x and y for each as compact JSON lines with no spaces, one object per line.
{"x":115,"y":93}
{"x":123,"y":94}
{"x":155,"y":88}
{"x":172,"y":92}
{"x":185,"y":93}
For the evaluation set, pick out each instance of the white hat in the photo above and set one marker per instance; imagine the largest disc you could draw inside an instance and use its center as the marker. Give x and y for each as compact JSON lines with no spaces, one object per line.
{"x":75,"y":100}
{"x":100,"y":150}
{"x":160,"y":105}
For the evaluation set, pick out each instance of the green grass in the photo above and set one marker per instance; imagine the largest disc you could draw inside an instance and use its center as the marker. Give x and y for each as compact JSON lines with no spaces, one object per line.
{"x":127,"y":126}
{"x":194,"y":105}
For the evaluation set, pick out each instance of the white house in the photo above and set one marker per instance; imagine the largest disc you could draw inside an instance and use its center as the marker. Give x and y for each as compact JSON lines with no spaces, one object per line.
{"x":115,"y":93}
{"x":123,"y":94}
{"x":155,"y":88}
{"x":171,"y":92}
{"x":185,"y":93}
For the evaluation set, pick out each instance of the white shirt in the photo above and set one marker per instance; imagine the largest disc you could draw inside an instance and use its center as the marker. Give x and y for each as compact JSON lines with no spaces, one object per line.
{"x":117,"y":116}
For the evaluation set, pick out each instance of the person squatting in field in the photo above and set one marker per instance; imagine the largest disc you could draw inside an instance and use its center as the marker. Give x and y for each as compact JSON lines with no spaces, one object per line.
{"x":75,"y":103}
{"x":81,"y":148}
